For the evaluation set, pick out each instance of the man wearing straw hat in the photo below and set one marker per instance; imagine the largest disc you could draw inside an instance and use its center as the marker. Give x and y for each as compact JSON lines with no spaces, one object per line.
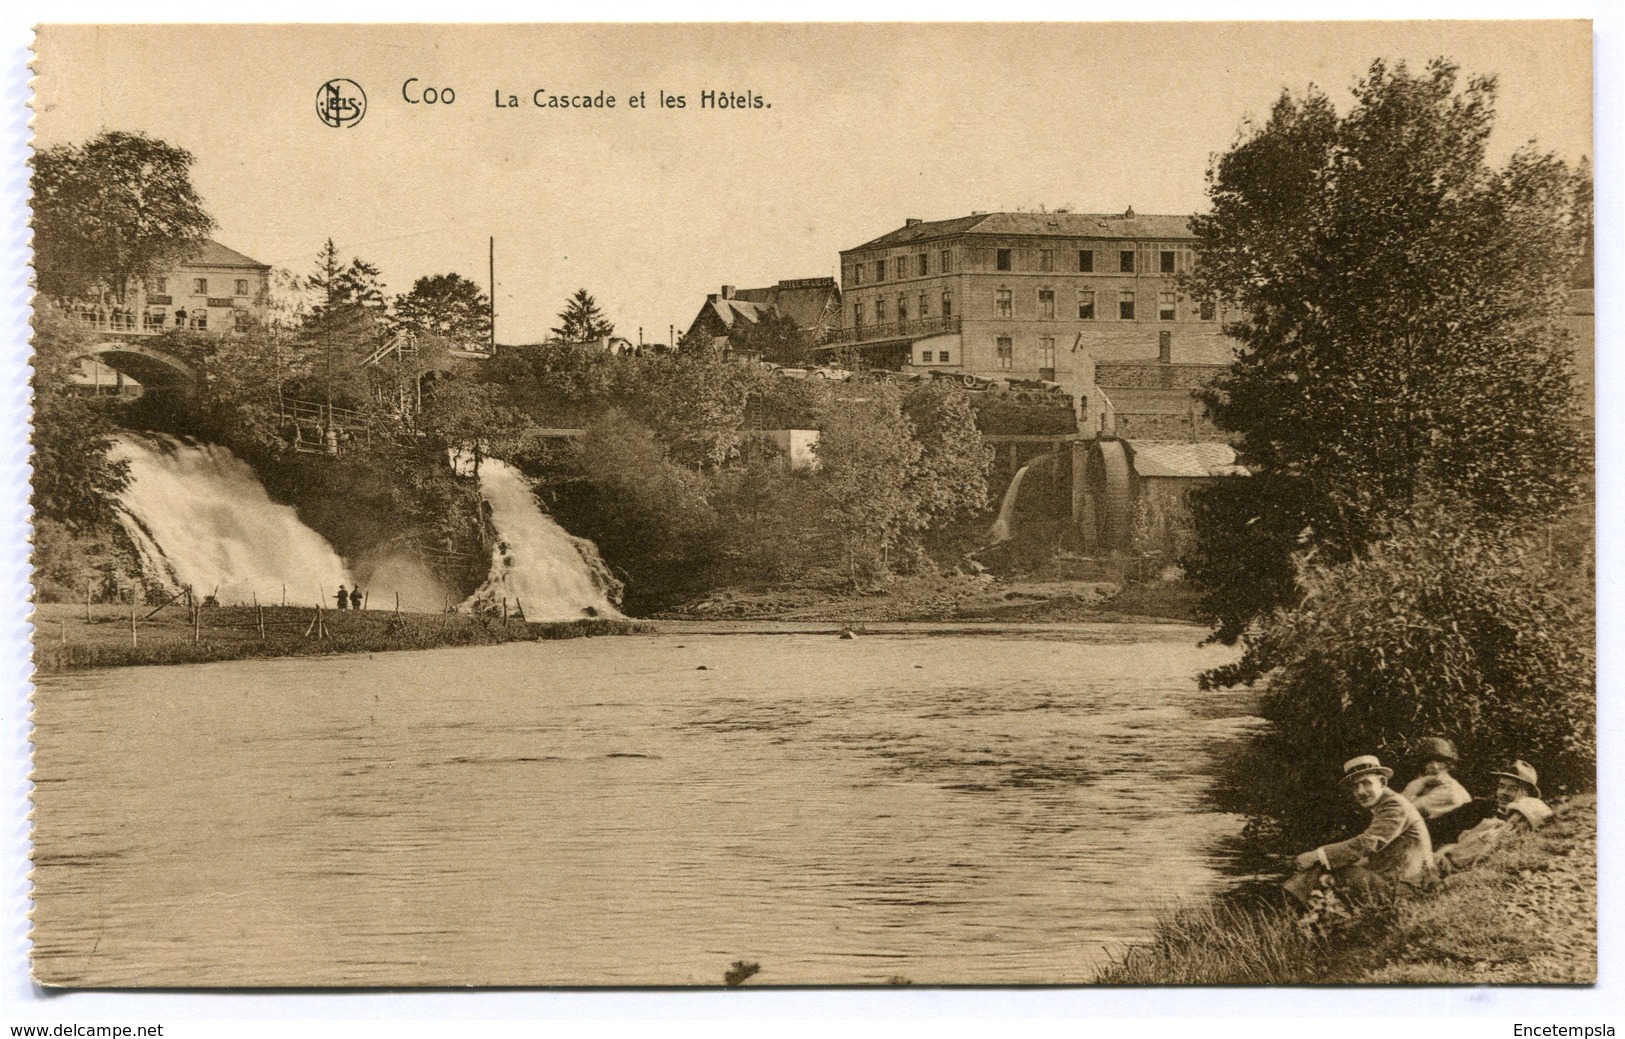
{"x":1393,"y":851}
{"x":1518,"y":807}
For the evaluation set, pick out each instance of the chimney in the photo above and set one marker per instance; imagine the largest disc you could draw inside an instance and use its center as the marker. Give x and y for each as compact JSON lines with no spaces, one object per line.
{"x":1165,"y":347}
{"x":727,"y":292}
{"x":912,"y":221}
{"x":712,"y":297}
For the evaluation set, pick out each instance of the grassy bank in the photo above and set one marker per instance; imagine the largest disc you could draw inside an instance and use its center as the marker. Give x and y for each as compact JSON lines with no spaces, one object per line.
{"x":65,"y":640}
{"x":940,"y":597}
{"x":1525,"y":914}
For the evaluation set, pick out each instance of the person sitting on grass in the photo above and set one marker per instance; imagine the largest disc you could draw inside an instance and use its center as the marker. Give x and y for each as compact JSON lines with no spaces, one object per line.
{"x":1436,"y":791}
{"x":1518,"y":808}
{"x":1393,"y":852}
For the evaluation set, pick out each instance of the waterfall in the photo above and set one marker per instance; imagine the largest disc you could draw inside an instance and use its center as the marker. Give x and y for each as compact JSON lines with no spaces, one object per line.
{"x":1000,"y":531}
{"x":198,"y":516}
{"x":555,"y":575}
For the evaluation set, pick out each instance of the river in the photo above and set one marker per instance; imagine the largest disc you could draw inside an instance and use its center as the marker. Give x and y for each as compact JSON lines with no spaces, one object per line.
{"x":945,"y":807}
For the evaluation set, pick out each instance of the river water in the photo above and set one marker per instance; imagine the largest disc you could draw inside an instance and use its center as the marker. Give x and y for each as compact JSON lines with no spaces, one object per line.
{"x":960,"y":807}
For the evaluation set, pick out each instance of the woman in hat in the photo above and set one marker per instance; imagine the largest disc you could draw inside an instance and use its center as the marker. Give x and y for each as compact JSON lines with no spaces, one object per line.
{"x":1394,"y":850}
{"x":1436,"y":791}
{"x":1518,"y":808}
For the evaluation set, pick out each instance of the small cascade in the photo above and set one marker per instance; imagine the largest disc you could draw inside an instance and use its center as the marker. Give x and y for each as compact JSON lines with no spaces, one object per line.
{"x":199,"y":517}
{"x":1001,"y":530}
{"x":554,"y":575}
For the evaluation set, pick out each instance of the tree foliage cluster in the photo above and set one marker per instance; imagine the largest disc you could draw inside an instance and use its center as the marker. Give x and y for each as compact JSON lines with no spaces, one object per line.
{"x":1402,"y":400}
{"x":118,"y":207}
{"x":679,"y":493}
{"x":1402,"y":345}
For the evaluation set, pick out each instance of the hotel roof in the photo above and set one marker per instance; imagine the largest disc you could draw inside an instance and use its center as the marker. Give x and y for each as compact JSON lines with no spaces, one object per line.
{"x":1049,"y":225}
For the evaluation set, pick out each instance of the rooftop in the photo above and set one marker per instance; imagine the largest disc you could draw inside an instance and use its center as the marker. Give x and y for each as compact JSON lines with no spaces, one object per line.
{"x":213,"y":254}
{"x":1067,"y":225}
{"x":1182,"y":458}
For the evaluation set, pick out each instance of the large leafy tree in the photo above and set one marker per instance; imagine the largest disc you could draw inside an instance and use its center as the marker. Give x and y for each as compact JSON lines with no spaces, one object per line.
{"x":446,"y":305}
{"x":949,"y":480}
{"x":866,"y":452}
{"x":1402,"y":344}
{"x":581,"y":321}
{"x":118,"y":207}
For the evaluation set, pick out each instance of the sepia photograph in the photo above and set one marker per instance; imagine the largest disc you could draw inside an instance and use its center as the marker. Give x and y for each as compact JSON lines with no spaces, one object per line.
{"x":782,"y":505}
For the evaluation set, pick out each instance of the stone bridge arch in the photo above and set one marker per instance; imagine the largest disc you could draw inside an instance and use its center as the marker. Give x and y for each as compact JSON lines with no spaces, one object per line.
{"x":153,"y":369}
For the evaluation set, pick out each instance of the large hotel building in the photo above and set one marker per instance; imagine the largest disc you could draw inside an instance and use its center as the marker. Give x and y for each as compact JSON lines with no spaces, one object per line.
{"x":1028,"y":296}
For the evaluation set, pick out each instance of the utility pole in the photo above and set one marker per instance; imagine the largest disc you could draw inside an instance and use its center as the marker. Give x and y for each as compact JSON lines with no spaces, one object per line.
{"x":492,"y":301}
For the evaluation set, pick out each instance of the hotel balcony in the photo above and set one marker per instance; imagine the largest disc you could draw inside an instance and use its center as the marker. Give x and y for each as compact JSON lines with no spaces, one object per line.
{"x":892,"y":332}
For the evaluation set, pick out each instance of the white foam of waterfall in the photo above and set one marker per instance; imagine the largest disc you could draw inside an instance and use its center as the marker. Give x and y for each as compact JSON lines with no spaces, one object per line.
{"x":537,"y":565}
{"x":199,"y":517}
{"x":1000,"y":531}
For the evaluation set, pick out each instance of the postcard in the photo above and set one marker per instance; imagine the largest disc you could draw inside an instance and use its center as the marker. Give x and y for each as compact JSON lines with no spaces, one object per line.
{"x":765,"y":505}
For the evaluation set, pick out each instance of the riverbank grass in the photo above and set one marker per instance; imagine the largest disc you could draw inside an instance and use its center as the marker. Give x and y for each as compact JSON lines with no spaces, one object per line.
{"x":67,"y":639}
{"x":1524,"y":914}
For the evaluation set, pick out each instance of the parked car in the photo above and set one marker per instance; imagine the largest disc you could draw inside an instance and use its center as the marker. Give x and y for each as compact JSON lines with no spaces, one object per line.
{"x":1040,"y":385}
{"x":965,"y":379}
{"x":887,"y":375}
{"x":832,"y":374}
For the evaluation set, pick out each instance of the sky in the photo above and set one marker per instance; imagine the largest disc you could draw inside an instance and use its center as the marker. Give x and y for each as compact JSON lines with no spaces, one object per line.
{"x":650,"y":209}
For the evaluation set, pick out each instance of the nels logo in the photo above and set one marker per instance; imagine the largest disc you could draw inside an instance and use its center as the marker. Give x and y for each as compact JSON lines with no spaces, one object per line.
{"x":341,"y":102}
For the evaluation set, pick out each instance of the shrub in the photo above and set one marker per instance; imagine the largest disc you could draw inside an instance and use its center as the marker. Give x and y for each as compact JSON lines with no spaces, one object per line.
{"x":1436,"y":630}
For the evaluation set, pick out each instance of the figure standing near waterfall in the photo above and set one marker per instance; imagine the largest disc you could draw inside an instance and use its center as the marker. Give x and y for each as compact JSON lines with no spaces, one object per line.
{"x":343,"y":597}
{"x":355,"y":598}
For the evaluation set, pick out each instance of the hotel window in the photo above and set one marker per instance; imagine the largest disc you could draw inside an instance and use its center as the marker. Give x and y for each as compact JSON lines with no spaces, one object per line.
{"x":1006,"y":351}
{"x":1086,"y":305}
{"x":242,"y":286}
{"x":1046,"y":304}
{"x":1086,"y":261}
{"x":902,"y":308}
{"x":924,"y":261}
{"x":1003,"y":260}
{"x":857,"y":315}
{"x":1046,"y":260}
{"x":947,"y":303}
{"x":880,"y":270}
{"x":942,"y":356}
{"x":925,"y":305}
{"x":1125,"y":306}
{"x":1207,"y":310}
{"x":1002,"y":306}
{"x":1046,"y":358}
{"x":1125,"y":261}
{"x":947,"y":261}
{"x":200,"y":286}
{"x":880,"y":311}
{"x":1165,"y":306}
{"x":857,"y":274}
{"x":1166,"y":259}
{"x":244,"y":322}
{"x":163,"y":285}
{"x":200,"y":318}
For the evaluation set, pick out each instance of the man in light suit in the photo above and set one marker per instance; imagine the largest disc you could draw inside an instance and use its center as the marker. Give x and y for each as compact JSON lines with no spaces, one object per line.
{"x":1394,"y":851}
